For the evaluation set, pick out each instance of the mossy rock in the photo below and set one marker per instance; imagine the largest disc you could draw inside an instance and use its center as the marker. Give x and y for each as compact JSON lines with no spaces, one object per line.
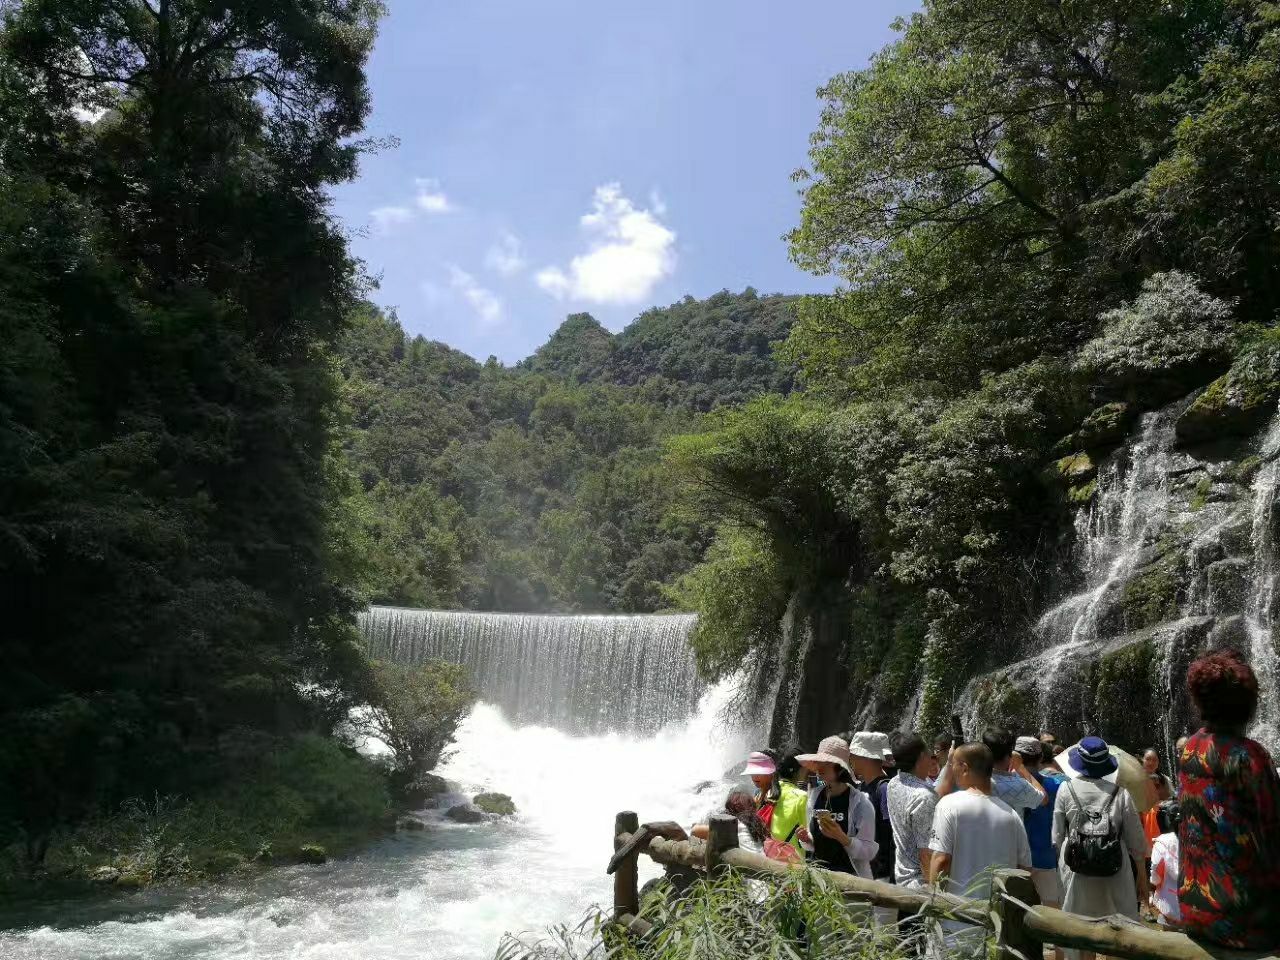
{"x":1082,"y":494}
{"x":105,"y":875}
{"x":1244,"y":471}
{"x":1151,"y":596}
{"x":1204,"y":486}
{"x":424,"y":789}
{"x":132,"y":881}
{"x":221,"y":863}
{"x":1075,"y":469}
{"x":498,"y":804}
{"x":1124,"y":692}
{"x":1104,"y":428}
{"x":999,"y":700}
{"x":1232,"y":406}
{"x":312,"y":853}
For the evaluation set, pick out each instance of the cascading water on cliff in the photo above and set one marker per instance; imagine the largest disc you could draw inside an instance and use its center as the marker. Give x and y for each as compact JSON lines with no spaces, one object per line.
{"x":581,"y":674}
{"x":1260,"y":614}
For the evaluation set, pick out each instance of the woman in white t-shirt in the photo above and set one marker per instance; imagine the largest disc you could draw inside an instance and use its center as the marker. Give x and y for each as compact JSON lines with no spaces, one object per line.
{"x":1165,"y":875}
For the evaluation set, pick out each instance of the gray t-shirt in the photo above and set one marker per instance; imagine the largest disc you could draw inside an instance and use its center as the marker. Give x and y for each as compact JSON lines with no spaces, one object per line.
{"x":981,"y":834}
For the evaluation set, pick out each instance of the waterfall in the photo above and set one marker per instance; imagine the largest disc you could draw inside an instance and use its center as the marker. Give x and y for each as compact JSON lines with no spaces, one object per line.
{"x":580,"y":674}
{"x":1260,"y":613}
{"x":1128,"y":509}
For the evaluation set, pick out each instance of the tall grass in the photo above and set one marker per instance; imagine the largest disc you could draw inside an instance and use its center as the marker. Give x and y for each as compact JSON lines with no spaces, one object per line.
{"x":799,"y":917}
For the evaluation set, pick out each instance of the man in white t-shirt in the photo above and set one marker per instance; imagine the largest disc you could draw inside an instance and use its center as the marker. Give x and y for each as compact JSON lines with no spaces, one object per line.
{"x":974,"y":832}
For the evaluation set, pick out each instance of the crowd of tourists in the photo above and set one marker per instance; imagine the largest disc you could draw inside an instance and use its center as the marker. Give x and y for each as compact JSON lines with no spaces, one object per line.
{"x":1100,"y":831}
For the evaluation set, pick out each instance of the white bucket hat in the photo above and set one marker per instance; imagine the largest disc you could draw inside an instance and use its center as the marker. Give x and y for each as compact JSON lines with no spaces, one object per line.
{"x":831,"y":750}
{"x":870,"y":746}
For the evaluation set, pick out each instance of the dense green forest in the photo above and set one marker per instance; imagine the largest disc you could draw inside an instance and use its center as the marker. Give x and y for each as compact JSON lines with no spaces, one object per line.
{"x":542,"y":487}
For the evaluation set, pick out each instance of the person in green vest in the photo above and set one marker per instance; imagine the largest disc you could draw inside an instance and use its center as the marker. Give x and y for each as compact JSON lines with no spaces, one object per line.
{"x":781,"y":804}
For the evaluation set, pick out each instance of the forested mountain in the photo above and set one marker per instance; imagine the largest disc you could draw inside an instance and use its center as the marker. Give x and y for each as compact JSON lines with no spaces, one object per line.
{"x":541,"y":487}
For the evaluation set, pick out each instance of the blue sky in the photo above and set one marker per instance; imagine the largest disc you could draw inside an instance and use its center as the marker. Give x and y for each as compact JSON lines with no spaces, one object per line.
{"x":559,"y":156}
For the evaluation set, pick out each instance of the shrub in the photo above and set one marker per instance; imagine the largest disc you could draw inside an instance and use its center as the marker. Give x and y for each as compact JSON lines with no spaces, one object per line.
{"x":1172,"y":330}
{"x":415,"y":710}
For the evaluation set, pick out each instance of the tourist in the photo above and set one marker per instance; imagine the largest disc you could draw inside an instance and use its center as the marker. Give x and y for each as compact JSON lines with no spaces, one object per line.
{"x":1039,"y":822}
{"x":1165,"y":874}
{"x":1010,"y":782}
{"x":911,"y":805}
{"x":942,"y":745}
{"x":779,"y":802}
{"x":867,"y":752}
{"x":841,"y":833}
{"x":1230,"y":799}
{"x":741,"y":805}
{"x":973,"y":833}
{"x":1098,"y":876}
{"x":1161,"y":789}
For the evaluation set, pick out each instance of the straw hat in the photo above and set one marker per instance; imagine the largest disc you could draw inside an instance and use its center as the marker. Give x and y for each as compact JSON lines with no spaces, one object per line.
{"x":831,"y":750}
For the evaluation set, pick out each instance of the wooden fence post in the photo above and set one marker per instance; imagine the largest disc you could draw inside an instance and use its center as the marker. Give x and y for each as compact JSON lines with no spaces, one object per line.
{"x":722,"y":836}
{"x":1010,"y":890}
{"x":626,"y":879}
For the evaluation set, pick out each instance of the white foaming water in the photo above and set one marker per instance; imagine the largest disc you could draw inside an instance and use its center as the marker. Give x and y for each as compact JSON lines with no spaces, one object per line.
{"x":448,"y":893}
{"x":1260,"y":616}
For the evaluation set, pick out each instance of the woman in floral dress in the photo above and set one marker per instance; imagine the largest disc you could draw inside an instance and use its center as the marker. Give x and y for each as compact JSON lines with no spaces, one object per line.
{"x":1230,"y":796}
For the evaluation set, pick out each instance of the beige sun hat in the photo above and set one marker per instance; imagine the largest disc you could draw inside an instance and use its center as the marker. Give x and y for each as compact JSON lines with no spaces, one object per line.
{"x":870,"y":745}
{"x":831,"y":750}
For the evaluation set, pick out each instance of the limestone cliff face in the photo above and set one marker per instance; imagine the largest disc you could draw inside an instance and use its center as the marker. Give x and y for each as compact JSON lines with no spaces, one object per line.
{"x":1173,"y":551}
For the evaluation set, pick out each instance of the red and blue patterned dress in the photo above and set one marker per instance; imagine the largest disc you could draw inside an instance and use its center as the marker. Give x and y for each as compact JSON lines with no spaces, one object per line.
{"x":1230,"y":840}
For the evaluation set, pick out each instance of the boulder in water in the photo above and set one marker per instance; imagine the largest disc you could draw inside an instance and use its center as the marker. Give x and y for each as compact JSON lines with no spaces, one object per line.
{"x":466,"y":813}
{"x":498,"y":804}
{"x":131,"y":881}
{"x":222,"y":862}
{"x":105,"y":875}
{"x":423,"y":789}
{"x":411,"y":823}
{"x":312,"y":853}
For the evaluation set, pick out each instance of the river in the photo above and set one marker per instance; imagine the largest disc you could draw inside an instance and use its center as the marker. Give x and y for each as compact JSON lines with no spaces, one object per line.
{"x":448,"y":893}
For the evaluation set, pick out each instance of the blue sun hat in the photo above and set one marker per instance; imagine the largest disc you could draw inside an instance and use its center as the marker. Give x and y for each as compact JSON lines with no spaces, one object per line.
{"x":1093,"y":758}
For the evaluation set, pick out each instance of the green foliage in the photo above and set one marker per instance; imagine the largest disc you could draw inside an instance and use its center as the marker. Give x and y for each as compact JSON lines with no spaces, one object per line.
{"x":415,"y":711}
{"x":1171,"y":330}
{"x":173,"y":519}
{"x":285,"y":794}
{"x":741,"y":592}
{"x":540,"y":488}
{"x":800,"y":916}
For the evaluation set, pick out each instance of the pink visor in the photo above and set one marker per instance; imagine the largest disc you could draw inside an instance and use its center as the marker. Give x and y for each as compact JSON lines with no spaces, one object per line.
{"x":760,"y":765}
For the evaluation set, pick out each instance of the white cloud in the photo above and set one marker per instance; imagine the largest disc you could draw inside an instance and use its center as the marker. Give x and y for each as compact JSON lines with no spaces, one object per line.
{"x":506,"y":256}
{"x":386,"y":219}
{"x":487,"y":305}
{"x":431,"y":198}
{"x":657,"y":202}
{"x":630,"y":251}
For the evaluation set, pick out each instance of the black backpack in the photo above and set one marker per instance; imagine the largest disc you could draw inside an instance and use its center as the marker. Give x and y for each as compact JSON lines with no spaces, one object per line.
{"x":1093,"y":847}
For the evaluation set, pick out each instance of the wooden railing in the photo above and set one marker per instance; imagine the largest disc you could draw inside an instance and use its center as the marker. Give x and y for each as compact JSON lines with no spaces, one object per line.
{"x":1020,"y":926}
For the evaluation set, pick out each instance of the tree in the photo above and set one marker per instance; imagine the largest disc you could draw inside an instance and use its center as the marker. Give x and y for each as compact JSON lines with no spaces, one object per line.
{"x":173,"y":515}
{"x":415,"y":710}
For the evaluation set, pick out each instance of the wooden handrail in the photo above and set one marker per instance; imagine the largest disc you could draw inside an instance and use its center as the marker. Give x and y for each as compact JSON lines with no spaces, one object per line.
{"x":1013,"y":913}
